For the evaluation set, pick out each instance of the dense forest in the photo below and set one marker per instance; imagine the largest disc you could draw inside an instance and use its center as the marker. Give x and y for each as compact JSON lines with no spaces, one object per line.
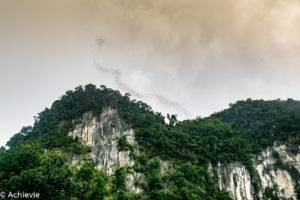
{"x":37,"y":158}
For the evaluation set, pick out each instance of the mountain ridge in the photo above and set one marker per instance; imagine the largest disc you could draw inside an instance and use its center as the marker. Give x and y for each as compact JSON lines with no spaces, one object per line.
{"x":238,"y":134}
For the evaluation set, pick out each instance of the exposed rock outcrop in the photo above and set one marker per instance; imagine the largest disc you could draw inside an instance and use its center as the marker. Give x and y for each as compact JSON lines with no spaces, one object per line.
{"x":273,"y":174}
{"x":102,"y":135}
{"x":236,"y":180}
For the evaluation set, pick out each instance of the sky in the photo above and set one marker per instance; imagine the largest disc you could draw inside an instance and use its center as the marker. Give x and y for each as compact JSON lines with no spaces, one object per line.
{"x":185,"y":57}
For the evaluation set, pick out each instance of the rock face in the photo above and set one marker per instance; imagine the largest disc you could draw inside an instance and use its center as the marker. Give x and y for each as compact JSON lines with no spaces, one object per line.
{"x":236,"y":180}
{"x":274,"y":173}
{"x":102,"y":135}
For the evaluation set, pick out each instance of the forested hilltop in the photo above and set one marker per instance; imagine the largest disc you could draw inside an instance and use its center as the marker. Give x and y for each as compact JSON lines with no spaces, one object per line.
{"x":38,"y":158}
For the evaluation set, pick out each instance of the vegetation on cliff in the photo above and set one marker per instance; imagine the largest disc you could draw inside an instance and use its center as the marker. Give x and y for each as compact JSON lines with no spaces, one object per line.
{"x":38,"y":157}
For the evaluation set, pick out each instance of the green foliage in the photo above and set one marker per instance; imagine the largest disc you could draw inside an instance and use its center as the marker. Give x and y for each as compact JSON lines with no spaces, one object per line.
{"x":270,"y":194}
{"x":52,"y":126}
{"x":197,"y":141}
{"x":28,"y":168}
{"x":123,"y":144}
{"x":263,"y":122}
{"x":38,"y":157}
{"x":90,"y":183}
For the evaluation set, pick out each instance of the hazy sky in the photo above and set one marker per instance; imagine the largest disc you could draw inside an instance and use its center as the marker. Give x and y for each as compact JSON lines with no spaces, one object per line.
{"x":190,"y":57}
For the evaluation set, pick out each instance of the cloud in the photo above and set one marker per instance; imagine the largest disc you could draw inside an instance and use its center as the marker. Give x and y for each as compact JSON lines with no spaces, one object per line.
{"x":117,"y":76}
{"x":203,"y":54}
{"x":209,"y":51}
{"x":125,"y":87}
{"x":190,"y":33}
{"x":173,"y":104}
{"x":161,"y":99}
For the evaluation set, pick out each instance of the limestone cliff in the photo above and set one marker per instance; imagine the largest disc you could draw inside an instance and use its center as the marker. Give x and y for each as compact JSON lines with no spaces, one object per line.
{"x":236,"y":180}
{"x":102,"y":135}
{"x":274,"y":173}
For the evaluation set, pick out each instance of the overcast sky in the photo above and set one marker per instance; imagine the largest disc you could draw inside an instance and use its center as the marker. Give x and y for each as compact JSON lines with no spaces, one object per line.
{"x":189,"y":57}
